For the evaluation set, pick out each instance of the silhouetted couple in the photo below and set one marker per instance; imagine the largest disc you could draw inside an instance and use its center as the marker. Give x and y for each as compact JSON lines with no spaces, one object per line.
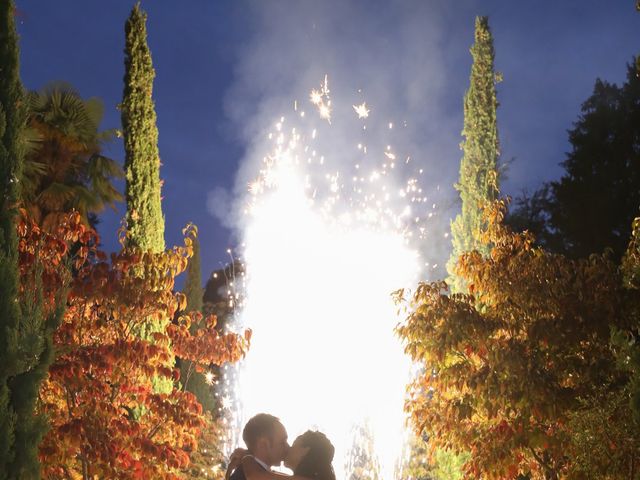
{"x":309,"y":457}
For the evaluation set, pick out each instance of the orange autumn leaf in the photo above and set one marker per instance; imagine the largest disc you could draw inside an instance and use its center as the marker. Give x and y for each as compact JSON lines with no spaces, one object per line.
{"x":101,"y":378}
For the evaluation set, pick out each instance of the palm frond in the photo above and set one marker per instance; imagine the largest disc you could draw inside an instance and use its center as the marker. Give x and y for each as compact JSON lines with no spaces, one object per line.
{"x":85,"y":201}
{"x":107,"y":136}
{"x":32,"y":172}
{"x":95,"y":110}
{"x":102,"y":171}
{"x":56,"y":195}
{"x":31,"y":140}
{"x":110,"y":196}
{"x":61,"y":107}
{"x":101,"y":166}
{"x":68,"y":163}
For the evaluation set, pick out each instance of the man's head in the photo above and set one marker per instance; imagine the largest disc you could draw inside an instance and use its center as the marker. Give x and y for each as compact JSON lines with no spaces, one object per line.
{"x":266,"y":438}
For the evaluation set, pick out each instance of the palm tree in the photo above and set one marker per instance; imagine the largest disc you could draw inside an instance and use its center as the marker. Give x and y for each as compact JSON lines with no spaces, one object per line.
{"x":64,"y":167}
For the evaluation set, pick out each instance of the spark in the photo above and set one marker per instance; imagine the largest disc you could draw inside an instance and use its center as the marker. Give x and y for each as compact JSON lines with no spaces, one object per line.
{"x":325,"y":111}
{"x":255,"y":187}
{"x":315,"y":97}
{"x":322,"y":100}
{"x":325,"y":86}
{"x":209,"y":378}
{"x":362,"y":110}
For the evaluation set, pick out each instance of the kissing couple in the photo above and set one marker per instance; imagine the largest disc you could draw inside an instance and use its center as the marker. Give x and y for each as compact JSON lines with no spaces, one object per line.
{"x":309,"y":456}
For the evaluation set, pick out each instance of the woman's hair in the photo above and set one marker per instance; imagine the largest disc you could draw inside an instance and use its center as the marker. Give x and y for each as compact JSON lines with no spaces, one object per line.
{"x":316,"y":464}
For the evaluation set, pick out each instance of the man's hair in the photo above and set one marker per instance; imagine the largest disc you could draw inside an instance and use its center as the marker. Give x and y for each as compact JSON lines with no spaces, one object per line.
{"x":259,"y":426}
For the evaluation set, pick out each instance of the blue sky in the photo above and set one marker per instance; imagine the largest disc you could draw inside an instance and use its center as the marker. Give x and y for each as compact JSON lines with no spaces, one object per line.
{"x":223,"y":67}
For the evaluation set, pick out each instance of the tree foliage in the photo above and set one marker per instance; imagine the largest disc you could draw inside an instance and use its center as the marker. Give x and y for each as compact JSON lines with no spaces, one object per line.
{"x":222,"y":296}
{"x":144,"y":217}
{"x":198,"y":382}
{"x":627,"y":343}
{"x":422,"y":461}
{"x":446,"y":465}
{"x":193,"y":283}
{"x":107,"y":421}
{"x":145,"y":221}
{"x":592,"y":206}
{"x":214,"y":383}
{"x":362,"y":462}
{"x":507,"y":365}
{"x":478,"y":181}
{"x":208,"y":461}
{"x":25,"y":326}
{"x":414,"y":464}
{"x":605,"y":441}
{"x":64,"y":167}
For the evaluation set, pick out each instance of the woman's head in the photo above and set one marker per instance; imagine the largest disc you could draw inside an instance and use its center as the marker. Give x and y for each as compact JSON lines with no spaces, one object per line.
{"x":311,"y":455}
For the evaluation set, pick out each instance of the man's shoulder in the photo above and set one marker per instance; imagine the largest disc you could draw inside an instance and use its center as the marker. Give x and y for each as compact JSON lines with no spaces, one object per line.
{"x":238,"y":474}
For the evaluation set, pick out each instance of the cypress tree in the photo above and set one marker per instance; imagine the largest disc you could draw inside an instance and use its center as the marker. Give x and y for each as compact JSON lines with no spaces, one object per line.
{"x":145,"y":222}
{"x":11,"y":123}
{"x":26,"y":348}
{"x":144,"y":219}
{"x":196,"y":382}
{"x":478,"y":182}
{"x":193,"y":284}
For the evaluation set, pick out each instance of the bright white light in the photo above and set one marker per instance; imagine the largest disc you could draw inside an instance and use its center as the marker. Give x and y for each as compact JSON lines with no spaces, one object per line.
{"x":323,"y":351}
{"x":322,"y":256}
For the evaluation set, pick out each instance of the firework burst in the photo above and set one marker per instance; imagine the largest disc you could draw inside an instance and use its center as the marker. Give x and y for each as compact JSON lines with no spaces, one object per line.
{"x":325,"y":244}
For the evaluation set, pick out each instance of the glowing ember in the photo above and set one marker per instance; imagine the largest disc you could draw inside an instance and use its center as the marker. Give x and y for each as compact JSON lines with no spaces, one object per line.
{"x":321,"y":99}
{"x":325,"y":111}
{"x":362,"y":110}
{"x":315,"y":97}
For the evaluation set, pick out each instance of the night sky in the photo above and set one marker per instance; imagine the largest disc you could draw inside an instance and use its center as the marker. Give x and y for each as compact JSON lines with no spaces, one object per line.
{"x":224,"y":68}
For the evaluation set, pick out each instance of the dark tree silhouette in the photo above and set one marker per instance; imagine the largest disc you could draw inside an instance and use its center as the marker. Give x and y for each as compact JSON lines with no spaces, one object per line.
{"x":591,"y":207}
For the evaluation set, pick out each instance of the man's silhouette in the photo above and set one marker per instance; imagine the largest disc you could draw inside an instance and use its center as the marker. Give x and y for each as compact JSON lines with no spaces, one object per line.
{"x":266,"y":440}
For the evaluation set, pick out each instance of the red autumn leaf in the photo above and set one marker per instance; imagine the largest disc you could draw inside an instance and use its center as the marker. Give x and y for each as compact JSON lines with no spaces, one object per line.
{"x":104,"y":372}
